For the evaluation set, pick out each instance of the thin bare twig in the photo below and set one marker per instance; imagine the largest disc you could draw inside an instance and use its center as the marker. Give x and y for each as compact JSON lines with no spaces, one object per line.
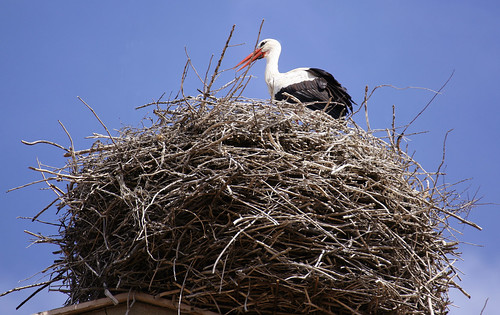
{"x":99,"y":119}
{"x":430,"y":101}
{"x":484,"y":306}
{"x":216,"y":71}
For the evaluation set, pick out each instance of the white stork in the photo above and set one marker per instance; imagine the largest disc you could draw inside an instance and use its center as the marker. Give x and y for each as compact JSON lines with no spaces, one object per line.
{"x":305,"y":84}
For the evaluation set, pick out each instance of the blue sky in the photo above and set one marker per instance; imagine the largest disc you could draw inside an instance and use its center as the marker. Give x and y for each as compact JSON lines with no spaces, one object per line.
{"x":118,"y":55}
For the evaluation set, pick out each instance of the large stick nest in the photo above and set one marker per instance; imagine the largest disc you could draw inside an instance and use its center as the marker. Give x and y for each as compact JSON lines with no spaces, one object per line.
{"x":236,"y":206}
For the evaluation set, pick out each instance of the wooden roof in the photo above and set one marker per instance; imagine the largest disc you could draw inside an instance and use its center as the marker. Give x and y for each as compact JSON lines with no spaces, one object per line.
{"x":134,"y":303}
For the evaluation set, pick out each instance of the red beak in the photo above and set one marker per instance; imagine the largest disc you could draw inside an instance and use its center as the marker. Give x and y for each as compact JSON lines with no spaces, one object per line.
{"x":257,"y":54}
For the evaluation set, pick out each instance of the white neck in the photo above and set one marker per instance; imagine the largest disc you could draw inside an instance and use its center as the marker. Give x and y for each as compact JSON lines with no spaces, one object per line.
{"x":272,"y":71}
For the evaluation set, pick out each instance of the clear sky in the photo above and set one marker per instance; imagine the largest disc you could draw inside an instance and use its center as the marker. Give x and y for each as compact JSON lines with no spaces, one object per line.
{"x":118,"y":55}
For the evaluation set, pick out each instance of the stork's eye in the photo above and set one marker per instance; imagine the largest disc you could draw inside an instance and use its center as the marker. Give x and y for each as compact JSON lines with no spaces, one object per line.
{"x":262,"y":44}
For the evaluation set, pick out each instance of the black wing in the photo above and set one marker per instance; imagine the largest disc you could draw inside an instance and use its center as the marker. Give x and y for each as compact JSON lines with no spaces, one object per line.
{"x":324,"y":89}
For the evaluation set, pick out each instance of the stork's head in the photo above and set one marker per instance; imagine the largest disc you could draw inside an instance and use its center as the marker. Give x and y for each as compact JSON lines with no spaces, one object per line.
{"x":263,"y":50}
